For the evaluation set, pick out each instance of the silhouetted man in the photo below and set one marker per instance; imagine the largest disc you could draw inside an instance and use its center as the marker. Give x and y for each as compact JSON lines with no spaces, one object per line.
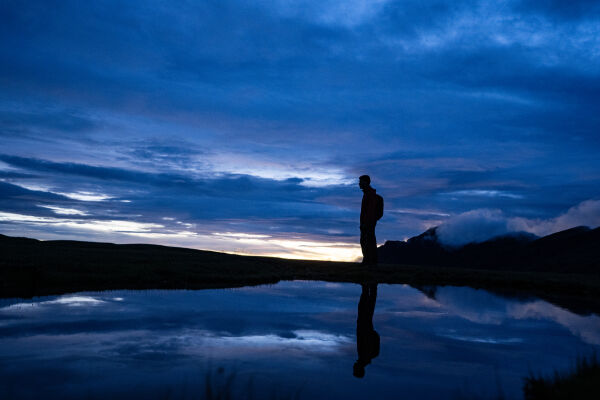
{"x":367,"y":339}
{"x":371,"y":210}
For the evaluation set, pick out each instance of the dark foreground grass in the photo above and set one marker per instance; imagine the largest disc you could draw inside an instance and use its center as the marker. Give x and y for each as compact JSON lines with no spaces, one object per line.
{"x":34,"y":268}
{"x":583,"y":382}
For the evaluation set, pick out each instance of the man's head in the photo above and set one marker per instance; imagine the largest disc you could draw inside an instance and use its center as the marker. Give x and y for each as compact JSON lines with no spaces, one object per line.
{"x":364,"y":181}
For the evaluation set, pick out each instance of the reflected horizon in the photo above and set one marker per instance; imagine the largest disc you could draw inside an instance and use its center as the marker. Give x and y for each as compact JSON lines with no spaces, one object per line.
{"x":291,"y":337}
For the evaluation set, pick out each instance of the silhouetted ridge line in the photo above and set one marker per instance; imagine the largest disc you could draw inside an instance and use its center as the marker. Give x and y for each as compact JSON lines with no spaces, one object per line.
{"x":572,"y":250}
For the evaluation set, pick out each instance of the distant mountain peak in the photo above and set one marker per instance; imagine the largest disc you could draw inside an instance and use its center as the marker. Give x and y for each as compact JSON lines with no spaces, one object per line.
{"x":429,"y":235}
{"x":574,"y":249}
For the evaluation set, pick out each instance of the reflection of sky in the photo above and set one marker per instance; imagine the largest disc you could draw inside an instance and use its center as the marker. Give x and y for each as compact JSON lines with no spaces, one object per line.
{"x":288,"y":337}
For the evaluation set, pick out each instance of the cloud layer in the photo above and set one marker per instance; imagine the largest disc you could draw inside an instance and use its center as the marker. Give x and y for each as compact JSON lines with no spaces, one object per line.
{"x":480,"y":225}
{"x":257,"y":118}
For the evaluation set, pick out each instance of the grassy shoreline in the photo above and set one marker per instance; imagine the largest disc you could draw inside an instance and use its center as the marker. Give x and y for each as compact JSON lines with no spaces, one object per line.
{"x":581,"y":382}
{"x":31,"y":268}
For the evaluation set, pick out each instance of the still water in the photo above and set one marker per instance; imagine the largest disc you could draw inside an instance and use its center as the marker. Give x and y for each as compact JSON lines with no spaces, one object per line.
{"x":285,"y":341}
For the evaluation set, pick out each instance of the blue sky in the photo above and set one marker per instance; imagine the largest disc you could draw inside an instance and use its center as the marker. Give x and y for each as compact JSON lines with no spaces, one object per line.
{"x":243,"y":126}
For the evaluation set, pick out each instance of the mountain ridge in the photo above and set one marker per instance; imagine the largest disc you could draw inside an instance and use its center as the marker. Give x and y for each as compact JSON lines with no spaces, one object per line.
{"x":572,"y":250}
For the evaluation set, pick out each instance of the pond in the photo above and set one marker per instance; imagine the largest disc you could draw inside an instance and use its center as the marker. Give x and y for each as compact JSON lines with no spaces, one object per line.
{"x":286,"y":341}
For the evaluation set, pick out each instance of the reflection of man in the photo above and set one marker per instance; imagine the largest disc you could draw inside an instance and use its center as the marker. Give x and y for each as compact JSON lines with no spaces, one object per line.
{"x":367,"y":339}
{"x":369,"y":214}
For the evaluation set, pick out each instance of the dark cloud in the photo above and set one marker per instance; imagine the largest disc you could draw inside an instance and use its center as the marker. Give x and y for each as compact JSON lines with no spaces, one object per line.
{"x":163,"y":152}
{"x":262,"y":203}
{"x":59,"y":121}
{"x":561,"y":9}
{"x":14,"y":192}
{"x":264,"y":112}
{"x":227,"y":185}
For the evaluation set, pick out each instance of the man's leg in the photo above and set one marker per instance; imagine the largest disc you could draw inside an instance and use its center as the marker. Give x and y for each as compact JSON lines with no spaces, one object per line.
{"x":364,"y":245}
{"x":372,"y":246}
{"x":368,"y":243}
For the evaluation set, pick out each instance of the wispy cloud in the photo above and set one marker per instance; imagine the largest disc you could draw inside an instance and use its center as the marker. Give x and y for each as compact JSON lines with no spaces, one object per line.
{"x":483,"y":224}
{"x":257,"y":118}
{"x":64,"y":211}
{"x":484,"y":193}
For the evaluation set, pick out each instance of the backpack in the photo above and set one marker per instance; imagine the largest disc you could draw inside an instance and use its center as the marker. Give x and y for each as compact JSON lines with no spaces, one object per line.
{"x":378,"y":207}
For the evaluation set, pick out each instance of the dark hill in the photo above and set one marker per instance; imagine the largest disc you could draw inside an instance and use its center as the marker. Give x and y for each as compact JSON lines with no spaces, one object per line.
{"x":30,"y":267}
{"x":573,"y":250}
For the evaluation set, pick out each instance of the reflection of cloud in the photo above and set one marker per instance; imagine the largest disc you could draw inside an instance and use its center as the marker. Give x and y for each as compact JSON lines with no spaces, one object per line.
{"x":478,"y":306}
{"x":419,"y":314}
{"x":75,"y":301}
{"x":587,"y":328}
{"x":256,"y":329}
{"x":481,"y":339}
{"x":302,"y":339}
{"x":71,"y":301}
{"x":482,"y":307}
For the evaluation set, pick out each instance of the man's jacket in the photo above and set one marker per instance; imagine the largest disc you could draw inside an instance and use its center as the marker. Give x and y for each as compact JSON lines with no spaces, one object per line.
{"x":368,"y":212}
